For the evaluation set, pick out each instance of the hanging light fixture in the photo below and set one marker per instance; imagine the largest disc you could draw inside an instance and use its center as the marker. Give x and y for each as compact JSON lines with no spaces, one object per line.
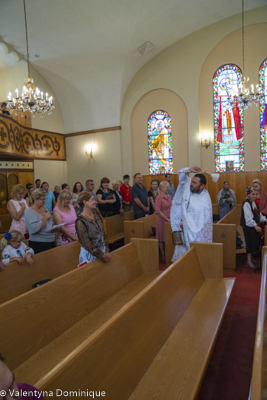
{"x":244,"y":96}
{"x":31,"y":98}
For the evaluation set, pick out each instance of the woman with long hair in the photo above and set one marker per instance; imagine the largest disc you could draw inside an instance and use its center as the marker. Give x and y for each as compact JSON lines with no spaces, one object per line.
{"x":152,"y":194}
{"x":16,"y":207}
{"x":90,"y":231}
{"x":77,"y":189}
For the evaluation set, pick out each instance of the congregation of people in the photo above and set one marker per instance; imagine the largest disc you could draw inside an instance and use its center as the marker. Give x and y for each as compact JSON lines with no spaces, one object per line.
{"x":49,"y":219}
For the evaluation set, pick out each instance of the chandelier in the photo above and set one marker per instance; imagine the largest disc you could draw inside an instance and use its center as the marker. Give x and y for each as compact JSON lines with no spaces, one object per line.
{"x":31,"y":98}
{"x":244,"y":96}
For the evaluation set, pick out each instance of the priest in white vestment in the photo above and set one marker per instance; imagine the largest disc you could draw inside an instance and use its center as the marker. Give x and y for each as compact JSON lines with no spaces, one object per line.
{"x":191,"y":210}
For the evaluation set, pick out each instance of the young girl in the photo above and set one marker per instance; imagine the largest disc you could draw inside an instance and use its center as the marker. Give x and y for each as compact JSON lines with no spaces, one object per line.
{"x":14,"y":249}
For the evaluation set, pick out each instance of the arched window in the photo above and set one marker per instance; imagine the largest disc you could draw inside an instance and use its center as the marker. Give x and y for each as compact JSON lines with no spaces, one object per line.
{"x":159,"y":131}
{"x":263,"y":113}
{"x":228,"y":120}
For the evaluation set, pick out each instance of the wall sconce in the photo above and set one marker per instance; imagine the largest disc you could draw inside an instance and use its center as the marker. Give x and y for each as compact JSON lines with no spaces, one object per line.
{"x":205,"y":141}
{"x":89,"y":154}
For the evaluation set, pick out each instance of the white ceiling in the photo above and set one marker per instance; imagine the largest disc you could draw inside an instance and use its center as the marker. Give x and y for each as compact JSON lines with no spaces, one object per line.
{"x":88,"y":48}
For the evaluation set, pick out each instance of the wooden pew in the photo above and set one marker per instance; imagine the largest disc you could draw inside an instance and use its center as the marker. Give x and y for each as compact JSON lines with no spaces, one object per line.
{"x":215,"y":209}
{"x":258,"y":387}
{"x":5,"y":223}
{"x":18,"y":279}
{"x":114,"y":226}
{"x":169,"y":247}
{"x":140,"y":228}
{"x":48,"y":323}
{"x":158,"y":345}
{"x":224,"y":231}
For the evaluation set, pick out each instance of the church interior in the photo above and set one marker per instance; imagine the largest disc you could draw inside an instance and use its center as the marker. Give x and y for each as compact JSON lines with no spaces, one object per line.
{"x":114,"y":69}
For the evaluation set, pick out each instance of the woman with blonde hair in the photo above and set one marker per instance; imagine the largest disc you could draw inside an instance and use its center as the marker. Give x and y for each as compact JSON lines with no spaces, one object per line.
{"x":16,"y":207}
{"x":261,"y":199}
{"x":163,"y":208}
{"x":39,"y":222}
{"x":118,"y":205}
{"x":90,"y":231}
{"x":64,"y":213}
{"x":14,"y":249}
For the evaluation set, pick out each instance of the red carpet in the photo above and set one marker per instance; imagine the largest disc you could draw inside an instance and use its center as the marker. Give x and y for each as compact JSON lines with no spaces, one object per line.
{"x":229,"y":372}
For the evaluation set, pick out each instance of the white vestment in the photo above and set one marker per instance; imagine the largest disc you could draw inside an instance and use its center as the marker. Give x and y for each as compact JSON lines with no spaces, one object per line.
{"x":194,"y":211}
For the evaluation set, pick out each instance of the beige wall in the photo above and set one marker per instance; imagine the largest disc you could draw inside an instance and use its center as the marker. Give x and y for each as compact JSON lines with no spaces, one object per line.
{"x":106,"y":159}
{"x":166,"y":100}
{"x":13,"y":78}
{"x":179,"y":69}
{"x":53,"y":172}
{"x":228,"y":50}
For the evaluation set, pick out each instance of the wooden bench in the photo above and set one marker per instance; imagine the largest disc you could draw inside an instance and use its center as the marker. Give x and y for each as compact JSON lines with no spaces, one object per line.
{"x":258,"y":387}
{"x":158,"y":345}
{"x":224,"y":231}
{"x":48,"y":323}
{"x":114,"y":226}
{"x":5,"y":223}
{"x":18,"y":279}
{"x":140,"y":228}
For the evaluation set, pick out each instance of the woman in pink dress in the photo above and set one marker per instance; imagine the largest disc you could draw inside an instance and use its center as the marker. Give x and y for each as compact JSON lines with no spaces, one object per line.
{"x":163,"y":205}
{"x":16,"y":207}
{"x":64,"y":213}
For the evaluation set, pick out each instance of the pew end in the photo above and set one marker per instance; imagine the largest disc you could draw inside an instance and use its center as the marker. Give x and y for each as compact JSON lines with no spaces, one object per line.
{"x":148,"y":253}
{"x":258,"y":387}
{"x":210,"y":256}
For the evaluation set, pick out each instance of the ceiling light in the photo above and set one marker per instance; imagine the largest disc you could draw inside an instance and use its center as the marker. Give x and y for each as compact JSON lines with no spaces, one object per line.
{"x":31,"y":99}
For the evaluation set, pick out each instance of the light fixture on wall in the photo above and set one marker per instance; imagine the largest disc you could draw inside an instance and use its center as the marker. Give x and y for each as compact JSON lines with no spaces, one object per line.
{"x":89,"y":153}
{"x":245,"y":97}
{"x":204,"y":140}
{"x":31,"y":98}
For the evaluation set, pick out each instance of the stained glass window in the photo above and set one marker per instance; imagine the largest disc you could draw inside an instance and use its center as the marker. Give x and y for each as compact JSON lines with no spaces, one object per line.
{"x":263,"y":113}
{"x":159,"y":131}
{"x":228,"y":120}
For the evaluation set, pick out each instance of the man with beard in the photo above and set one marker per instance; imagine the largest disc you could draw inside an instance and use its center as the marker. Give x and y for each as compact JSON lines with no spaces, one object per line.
{"x":191,"y":210}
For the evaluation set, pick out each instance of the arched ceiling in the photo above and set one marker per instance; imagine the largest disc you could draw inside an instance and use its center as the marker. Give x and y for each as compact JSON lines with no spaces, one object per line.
{"x":88,"y":48}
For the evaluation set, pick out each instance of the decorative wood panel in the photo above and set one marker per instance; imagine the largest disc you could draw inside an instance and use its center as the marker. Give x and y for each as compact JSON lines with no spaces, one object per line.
{"x":21,"y":141}
{"x":239,"y":181}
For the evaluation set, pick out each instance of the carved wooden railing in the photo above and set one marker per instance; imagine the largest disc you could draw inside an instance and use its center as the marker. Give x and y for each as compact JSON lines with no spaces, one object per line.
{"x":19,"y":140}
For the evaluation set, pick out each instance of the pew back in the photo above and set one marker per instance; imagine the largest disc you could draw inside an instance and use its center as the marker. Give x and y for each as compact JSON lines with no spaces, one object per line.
{"x":129,"y":342}
{"x":258,"y":386}
{"x":44,"y":314}
{"x":18,"y":279}
{"x":140,"y":228}
{"x":5,"y":223}
{"x":114,"y":226}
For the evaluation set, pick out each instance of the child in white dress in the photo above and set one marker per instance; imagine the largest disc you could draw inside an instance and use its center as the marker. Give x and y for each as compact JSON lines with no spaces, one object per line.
{"x":14,"y":249}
